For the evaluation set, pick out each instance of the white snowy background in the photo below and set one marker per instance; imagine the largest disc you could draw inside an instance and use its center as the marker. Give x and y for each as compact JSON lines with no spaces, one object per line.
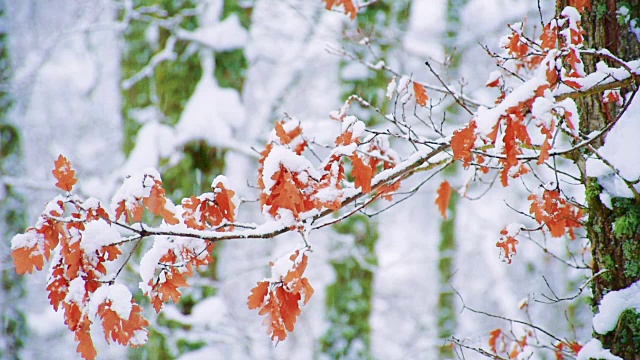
{"x":66,"y":84}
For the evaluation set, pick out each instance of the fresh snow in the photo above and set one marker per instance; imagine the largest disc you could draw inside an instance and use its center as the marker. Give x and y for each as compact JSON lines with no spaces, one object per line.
{"x":613,"y":304}
{"x":621,"y":151}
{"x":594,"y":350}
{"x":120,"y":298}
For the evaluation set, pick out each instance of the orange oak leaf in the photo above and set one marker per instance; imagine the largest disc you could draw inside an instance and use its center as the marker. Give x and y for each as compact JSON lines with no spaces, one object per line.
{"x":285,"y":194}
{"x":58,"y":286}
{"x":362,"y":172}
{"x":156,"y":203}
{"x":118,"y":329}
{"x":64,"y":174}
{"x":25,"y":259}
{"x":258,"y":293}
{"x":388,"y":189}
{"x":349,"y":8}
{"x":556,"y":213}
{"x":517,"y":47}
{"x":85,"y":343}
{"x":444,"y":195}
{"x":224,"y":200}
{"x":278,"y":299}
{"x":575,"y":347}
{"x":463,"y":141}
{"x":421,"y":94}
{"x":573,"y":58}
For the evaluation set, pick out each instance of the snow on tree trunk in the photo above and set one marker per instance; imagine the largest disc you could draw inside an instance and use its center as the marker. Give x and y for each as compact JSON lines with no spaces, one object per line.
{"x":613,"y":228}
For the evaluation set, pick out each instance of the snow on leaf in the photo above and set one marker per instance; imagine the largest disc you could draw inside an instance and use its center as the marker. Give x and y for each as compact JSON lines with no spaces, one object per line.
{"x":507,"y":244}
{"x":421,"y":94}
{"x":119,"y":329}
{"x":444,"y":195}
{"x":549,"y":37}
{"x":25,"y":259}
{"x":64,"y":174}
{"x":517,"y":47}
{"x":278,"y":298}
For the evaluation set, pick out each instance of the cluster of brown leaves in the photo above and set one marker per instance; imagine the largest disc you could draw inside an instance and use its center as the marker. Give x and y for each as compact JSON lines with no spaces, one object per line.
{"x":176,"y":266}
{"x":279,"y":299}
{"x":155,"y":202}
{"x":509,"y":346}
{"x":558,"y":215}
{"x":209,"y":210}
{"x":298,"y":191}
{"x":73,"y":264}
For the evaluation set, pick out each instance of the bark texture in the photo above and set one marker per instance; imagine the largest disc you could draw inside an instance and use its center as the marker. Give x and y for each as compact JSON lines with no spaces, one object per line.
{"x":617,"y":251}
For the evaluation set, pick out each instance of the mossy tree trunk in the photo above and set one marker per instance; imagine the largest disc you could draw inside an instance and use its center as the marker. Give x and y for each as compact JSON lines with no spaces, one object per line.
{"x":168,"y":90}
{"x":13,"y":327}
{"x":349,"y":298}
{"x":447,"y":322}
{"x":614,"y":233}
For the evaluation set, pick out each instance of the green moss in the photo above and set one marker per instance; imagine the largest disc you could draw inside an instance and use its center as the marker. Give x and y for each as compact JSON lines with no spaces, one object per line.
{"x":628,"y":333}
{"x":608,"y":263}
{"x":601,"y":10}
{"x":627,"y":213}
{"x":631,"y":251}
{"x":593,"y":189}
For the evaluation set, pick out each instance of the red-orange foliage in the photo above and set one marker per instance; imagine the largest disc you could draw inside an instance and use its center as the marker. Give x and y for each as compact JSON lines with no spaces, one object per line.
{"x":444,"y":195}
{"x":362,"y":173}
{"x":64,"y":174}
{"x":507,"y":245}
{"x":462,"y":141}
{"x":556,"y":213}
{"x":278,"y":298}
{"x":421,"y":94}
{"x":349,"y":8}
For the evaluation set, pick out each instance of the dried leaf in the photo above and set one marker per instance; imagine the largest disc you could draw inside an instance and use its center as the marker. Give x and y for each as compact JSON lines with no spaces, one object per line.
{"x":462,"y":142}
{"x":421,"y":94}
{"x":444,"y":195}
{"x":85,"y":343}
{"x":507,"y":245}
{"x":258,"y":293}
{"x":64,"y":174}
{"x":25,"y":259}
{"x":362,"y":172}
{"x":493,"y":340}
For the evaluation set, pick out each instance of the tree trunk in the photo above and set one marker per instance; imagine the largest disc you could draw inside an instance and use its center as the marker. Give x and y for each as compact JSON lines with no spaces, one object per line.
{"x":617,"y":251}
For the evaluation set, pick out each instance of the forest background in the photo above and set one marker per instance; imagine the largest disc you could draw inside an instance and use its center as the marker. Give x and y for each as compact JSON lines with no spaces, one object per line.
{"x":194,"y":89}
